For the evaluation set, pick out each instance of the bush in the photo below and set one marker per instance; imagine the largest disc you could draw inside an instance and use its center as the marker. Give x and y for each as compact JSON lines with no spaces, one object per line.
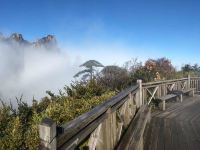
{"x":84,"y":89}
{"x":19,"y":127}
{"x":114,"y":78}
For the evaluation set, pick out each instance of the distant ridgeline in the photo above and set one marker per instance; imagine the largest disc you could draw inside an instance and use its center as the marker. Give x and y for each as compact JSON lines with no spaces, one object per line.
{"x":49,"y":42}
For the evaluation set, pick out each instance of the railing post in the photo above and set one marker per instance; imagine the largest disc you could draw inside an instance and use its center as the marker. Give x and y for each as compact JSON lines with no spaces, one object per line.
{"x":47,"y":133}
{"x":106,"y":133}
{"x":188,"y":81}
{"x":139,"y":94}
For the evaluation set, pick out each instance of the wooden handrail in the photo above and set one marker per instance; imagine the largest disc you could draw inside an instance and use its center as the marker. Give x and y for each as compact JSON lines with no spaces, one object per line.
{"x":195,"y":77}
{"x":163,"y":81}
{"x":72,"y":133}
{"x":78,"y":125}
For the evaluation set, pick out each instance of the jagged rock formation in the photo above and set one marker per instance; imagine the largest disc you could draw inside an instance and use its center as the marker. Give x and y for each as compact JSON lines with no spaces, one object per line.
{"x":1,"y":36}
{"x":16,"y":37}
{"x":48,"y":42}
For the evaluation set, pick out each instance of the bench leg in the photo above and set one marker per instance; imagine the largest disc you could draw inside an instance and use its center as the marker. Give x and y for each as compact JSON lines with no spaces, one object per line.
{"x":191,"y":93}
{"x":163,"y":105}
{"x":181,"y":97}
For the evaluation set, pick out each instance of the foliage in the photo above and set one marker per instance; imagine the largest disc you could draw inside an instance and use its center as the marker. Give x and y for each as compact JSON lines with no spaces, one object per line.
{"x":69,"y":108}
{"x":187,"y":68}
{"x":132,"y":65}
{"x":14,"y":135}
{"x":162,"y":66}
{"x":85,"y":89}
{"x":143,"y":74}
{"x":165,"y":68}
{"x":153,"y":69}
{"x":89,"y":71}
{"x":193,"y":70}
{"x":19,"y":127}
{"x":114,"y":78}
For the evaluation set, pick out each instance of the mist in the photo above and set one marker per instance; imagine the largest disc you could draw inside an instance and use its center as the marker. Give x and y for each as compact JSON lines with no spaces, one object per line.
{"x":30,"y":71}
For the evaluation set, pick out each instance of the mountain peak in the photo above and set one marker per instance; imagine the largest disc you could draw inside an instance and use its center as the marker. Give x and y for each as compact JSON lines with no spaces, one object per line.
{"x":17,"y":37}
{"x":1,"y":36}
{"x":47,"y":39}
{"x":48,"y":42}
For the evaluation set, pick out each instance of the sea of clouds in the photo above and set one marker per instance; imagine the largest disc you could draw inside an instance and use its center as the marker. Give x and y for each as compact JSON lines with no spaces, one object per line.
{"x":30,"y":71}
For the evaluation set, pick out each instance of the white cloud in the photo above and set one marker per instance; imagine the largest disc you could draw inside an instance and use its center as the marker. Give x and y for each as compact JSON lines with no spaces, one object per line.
{"x":31,"y":72}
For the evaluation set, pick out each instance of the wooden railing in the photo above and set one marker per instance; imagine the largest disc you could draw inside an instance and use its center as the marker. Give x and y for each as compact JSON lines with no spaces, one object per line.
{"x":156,"y":89}
{"x":101,"y":128}
{"x":118,"y":123}
{"x":195,"y":83}
{"x":152,"y":90}
{"x":133,"y":139}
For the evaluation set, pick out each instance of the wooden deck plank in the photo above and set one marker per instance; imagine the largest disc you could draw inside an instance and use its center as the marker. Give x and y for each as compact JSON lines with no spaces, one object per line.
{"x":155,"y":132}
{"x":185,"y":138}
{"x":167,"y":135}
{"x":177,"y":128}
{"x":182,"y":142}
{"x":174,"y":137}
{"x":192,"y":140}
{"x":149,"y":135}
{"x":160,"y":141}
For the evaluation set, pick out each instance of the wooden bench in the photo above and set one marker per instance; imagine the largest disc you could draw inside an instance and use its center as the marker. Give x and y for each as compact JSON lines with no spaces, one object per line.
{"x":166,"y":97}
{"x":181,"y":92}
{"x":191,"y":90}
{"x":178,"y":93}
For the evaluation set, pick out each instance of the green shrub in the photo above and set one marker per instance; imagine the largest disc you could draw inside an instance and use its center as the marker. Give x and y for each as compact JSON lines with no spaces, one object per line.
{"x":69,"y":108}
{"x":84,"y":89}
{"x":19,"y":127}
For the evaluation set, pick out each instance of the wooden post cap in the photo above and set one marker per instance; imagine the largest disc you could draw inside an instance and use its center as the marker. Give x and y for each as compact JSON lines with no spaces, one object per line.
{"x":47,"y":130}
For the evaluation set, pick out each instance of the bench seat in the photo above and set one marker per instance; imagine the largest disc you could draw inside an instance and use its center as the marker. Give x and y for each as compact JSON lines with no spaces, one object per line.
{"x":189,"y":91}
{"x":166,"y":97}
{"x":181,"y":92}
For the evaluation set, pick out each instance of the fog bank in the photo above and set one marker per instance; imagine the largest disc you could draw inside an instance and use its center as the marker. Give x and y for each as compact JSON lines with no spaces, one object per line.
{"x":31,"y":71}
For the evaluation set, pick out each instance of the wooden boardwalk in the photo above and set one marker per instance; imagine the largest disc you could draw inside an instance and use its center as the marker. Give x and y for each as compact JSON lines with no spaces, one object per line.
{"x":176,"y":128}
{"x":126,"y":121}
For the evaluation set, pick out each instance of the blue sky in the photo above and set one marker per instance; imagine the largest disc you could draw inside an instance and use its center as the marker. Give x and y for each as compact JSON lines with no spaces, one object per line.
{"x":110,"y":30}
